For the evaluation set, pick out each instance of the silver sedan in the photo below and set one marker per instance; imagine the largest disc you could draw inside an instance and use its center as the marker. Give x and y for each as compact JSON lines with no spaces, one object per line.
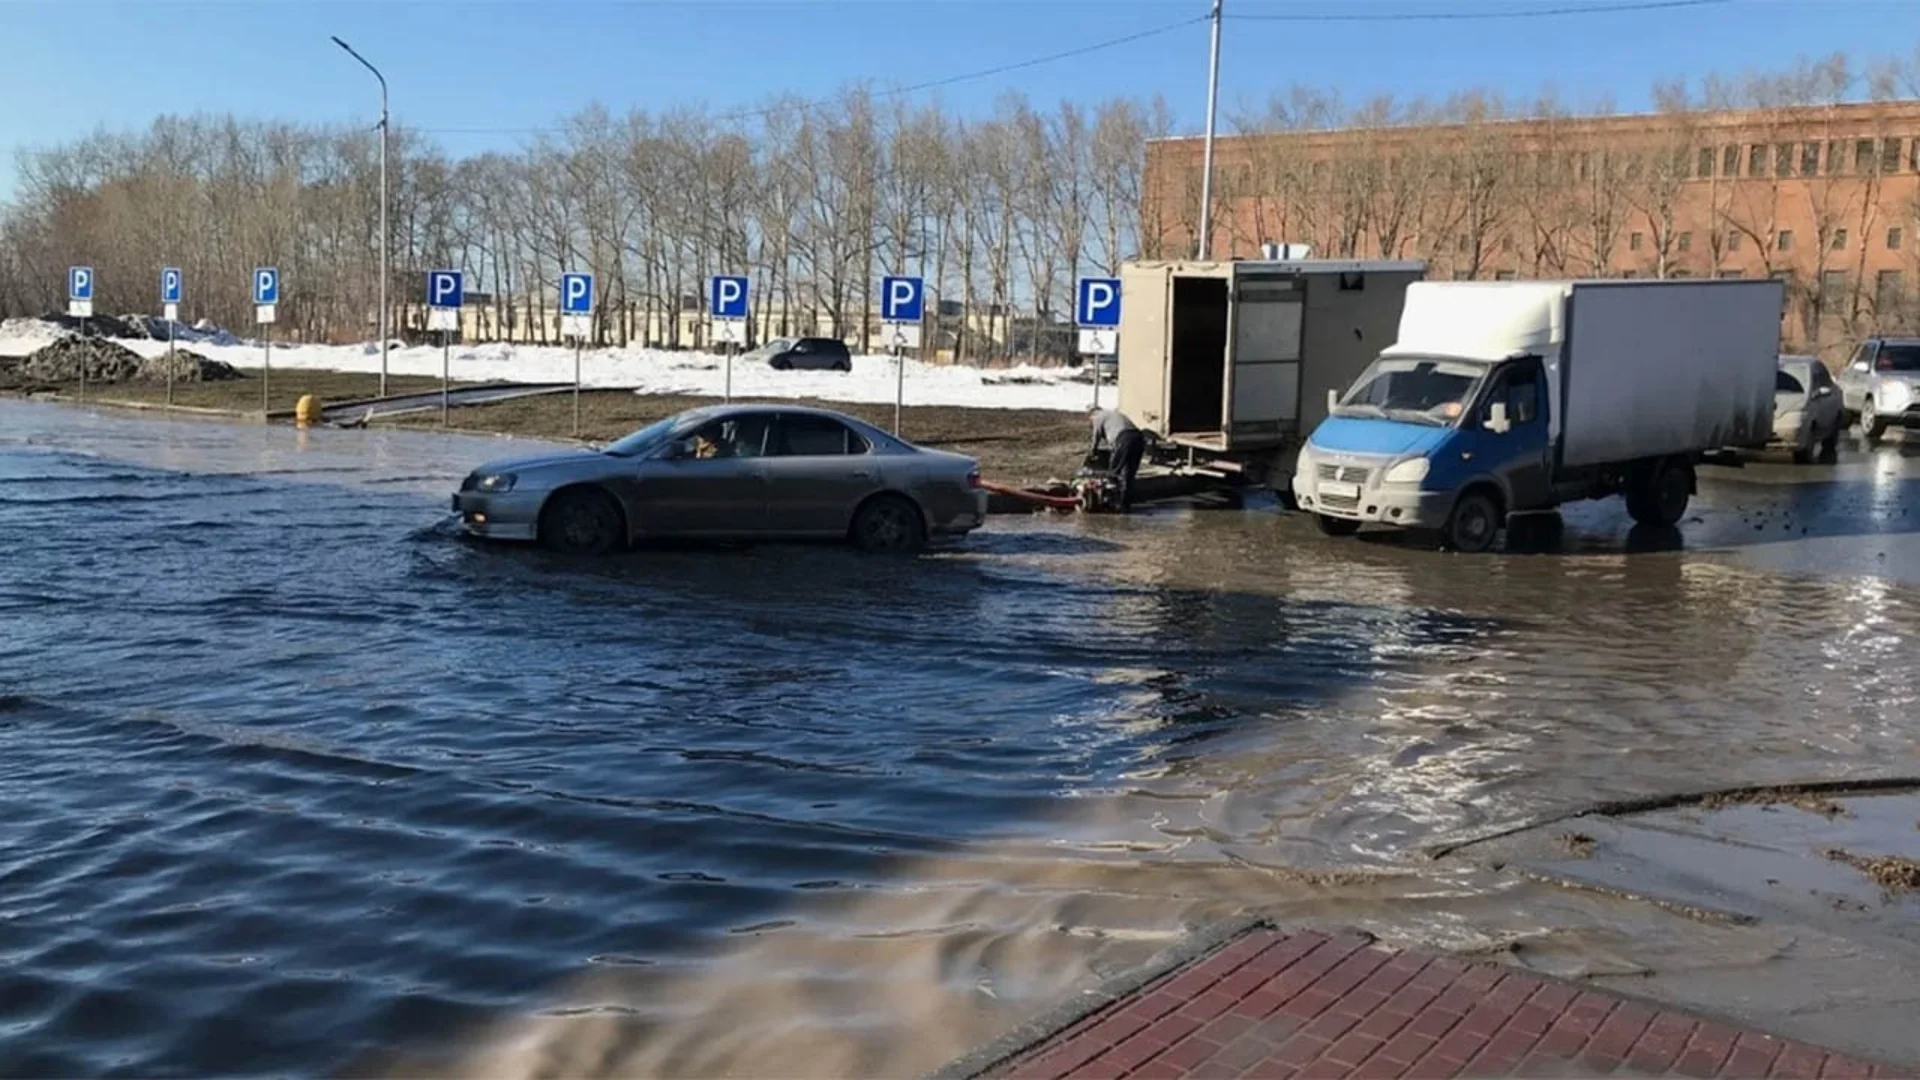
{"x":731,"y":472}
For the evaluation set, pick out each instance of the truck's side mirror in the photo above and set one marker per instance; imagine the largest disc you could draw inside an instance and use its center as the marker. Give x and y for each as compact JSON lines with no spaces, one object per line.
{"x":1497,"y":421}
{"x":1333,"y":400}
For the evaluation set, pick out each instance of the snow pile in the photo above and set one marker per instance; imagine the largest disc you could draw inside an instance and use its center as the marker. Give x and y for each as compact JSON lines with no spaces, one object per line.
{"x":647,"y":371}
{"x":107,"y":361}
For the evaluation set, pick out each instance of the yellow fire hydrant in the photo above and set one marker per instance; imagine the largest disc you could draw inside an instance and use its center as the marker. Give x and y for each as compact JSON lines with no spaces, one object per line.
{"x":306,"y":412}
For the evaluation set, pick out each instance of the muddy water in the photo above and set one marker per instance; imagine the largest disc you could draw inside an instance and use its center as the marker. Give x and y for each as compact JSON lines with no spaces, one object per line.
{"x":294,"y":779}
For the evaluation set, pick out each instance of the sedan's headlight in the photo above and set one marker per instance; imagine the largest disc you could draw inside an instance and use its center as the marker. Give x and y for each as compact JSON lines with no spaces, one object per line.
{"x":496,"y":482}
{"x":1410,"y":471}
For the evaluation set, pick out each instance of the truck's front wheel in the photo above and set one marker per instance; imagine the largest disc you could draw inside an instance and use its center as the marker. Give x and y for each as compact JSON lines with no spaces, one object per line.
{"x":1474,"y":523}
{"x":1660,"y":497}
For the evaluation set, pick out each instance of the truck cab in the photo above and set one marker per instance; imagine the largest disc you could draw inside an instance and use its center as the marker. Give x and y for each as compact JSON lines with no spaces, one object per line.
{"x":1415,"y":430}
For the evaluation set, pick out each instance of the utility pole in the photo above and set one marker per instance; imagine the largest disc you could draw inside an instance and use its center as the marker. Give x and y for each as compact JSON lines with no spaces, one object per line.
{"x":1206,"y":168}
{"x":385,"y":240}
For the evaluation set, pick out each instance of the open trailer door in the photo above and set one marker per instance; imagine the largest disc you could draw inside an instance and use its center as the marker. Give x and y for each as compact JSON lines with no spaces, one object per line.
{"x":1263,"y":380}
{"x":1145,"y":300}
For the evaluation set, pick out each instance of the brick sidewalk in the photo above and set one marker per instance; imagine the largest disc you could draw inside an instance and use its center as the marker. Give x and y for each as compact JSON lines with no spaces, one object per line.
{"x":1275,"y":1004}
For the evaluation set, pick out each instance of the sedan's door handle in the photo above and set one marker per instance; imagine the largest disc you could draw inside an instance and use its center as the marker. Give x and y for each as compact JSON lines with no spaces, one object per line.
{"x":863,"y":475}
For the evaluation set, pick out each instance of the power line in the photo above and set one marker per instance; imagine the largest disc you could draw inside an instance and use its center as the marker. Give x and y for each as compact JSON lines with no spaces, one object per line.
{"x":898,"y":91}
{"x":1475,"y":16}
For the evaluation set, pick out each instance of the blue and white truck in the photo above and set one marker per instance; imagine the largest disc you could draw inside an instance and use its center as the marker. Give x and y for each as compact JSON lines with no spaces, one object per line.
{"x":1504,"y":398}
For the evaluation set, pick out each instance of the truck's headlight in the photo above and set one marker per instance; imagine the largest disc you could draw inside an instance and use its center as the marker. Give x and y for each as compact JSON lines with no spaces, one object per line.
{"x":496,"y":482}
{"x":1410,"y":471}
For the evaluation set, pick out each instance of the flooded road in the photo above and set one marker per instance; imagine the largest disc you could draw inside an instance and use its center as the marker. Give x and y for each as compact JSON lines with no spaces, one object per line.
{"x":294,"y":779}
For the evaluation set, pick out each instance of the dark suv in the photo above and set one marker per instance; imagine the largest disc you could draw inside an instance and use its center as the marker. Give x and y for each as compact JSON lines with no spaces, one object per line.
{"x":807,"y":354}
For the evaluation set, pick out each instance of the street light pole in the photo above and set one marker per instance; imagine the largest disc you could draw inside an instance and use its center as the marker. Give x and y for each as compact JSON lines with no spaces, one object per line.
{"x":1206,"y":168}
{"x":384,"y":238}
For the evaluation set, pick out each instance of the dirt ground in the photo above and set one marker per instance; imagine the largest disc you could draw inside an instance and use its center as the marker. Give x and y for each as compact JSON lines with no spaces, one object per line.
{"x":1013,"y":446}
{"x":1017,"y":446}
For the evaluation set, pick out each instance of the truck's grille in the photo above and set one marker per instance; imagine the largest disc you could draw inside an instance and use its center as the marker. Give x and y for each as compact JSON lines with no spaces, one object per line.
{"x":1352,"y":474}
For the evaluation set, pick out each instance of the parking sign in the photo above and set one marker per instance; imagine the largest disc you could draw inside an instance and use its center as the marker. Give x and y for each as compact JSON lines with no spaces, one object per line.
{"x":728,"y":299}
{"x":1099,"y":302}
{"x":576,"y":294}
{"x":901,"y":299}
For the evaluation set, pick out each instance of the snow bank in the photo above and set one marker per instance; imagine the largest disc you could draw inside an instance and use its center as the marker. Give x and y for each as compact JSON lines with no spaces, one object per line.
{"x":646,"y":371}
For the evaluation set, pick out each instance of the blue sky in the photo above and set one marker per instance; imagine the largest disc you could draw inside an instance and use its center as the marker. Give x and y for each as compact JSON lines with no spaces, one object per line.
{"x":74,"y":65}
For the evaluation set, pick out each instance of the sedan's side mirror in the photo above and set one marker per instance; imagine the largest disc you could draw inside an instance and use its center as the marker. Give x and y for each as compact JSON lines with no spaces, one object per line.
{"x":1497,"y":421}
{"x":1859,"y":366}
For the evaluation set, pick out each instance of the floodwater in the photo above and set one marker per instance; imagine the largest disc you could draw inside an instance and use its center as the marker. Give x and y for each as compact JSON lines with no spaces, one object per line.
{"x":293,"y":779}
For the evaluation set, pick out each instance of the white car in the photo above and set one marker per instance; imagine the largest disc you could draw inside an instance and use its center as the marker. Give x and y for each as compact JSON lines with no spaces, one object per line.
{"x":1881,"y":385}
{"x":1807,"y":413}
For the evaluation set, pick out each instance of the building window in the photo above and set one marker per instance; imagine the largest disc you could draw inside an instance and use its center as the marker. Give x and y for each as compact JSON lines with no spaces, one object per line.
{"x":1633,"y":166}
{"x":1635,"y":241}
{"x":1890,"y":155}
{"x":1503,"y":275}
{"x":1706,"y":162}
{"x":1810,"y":159}
{"x":1836,"y":157}
{"x":1733,"y":241}
{"x":1683,"y":273}
{"x":1466,"y":243}
{"x":1730,"y":161}
{"x":1506,"y":244}
{"x":1783,"y":240}
{"x":1839,"y":239}
{"x":1783,"y":160}
{"x":1887,"y":289}
{"x":1728,"y":275}
{"x":1894,"y":237}
{"x":1629,"y":274}
{"x":1685,"y":241}
{"x":1757,"y":160}
{"x":1863,"y":156}
{"x":1833,"y":288}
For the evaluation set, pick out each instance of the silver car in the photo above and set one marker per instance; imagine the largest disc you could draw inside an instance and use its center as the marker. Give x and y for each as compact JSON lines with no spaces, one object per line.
{"x":1806,"y":409}
{"x":1881,"y":385}
{"x":735,"y":472}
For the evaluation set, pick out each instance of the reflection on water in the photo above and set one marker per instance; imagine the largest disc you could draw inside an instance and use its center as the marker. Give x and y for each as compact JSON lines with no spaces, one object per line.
{"x":296,"y":780}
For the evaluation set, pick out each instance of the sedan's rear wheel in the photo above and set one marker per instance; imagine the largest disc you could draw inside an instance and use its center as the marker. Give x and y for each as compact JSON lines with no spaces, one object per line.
{"x":890,"y":524}
{"x":582,"y":521}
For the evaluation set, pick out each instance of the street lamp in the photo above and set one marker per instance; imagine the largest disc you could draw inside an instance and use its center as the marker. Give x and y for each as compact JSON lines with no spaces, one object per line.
{"x":383,"y":208}
{"x":1206,"y":169}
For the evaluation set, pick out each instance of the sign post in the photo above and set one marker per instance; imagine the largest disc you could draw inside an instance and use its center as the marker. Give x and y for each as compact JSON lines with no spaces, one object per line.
{"x":902,"y":303}
{"x":576,"y":322}
{"x":80,"y":306}
{"x":266,"y":296}
{"x":171,"y":281}
{"x":1097,"y":311}
{"x":727,"y":305}
{"x":446,"y":292}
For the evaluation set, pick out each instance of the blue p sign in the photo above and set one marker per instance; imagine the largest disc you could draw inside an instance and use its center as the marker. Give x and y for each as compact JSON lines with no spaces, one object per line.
{"x":80,"y":283}
{"x":170,"y":285}
{"x":445,"y":288}
{"x":1099,"y":303}
{"x":576,"y":294}
{"x":266,"y":285}
{"x":729,"y":297}
{"x":900,"y":299}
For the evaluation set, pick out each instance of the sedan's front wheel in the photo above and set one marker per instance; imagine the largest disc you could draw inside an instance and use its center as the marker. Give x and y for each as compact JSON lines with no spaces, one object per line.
{"x":582,"y":521}
{"x":889,"y":523}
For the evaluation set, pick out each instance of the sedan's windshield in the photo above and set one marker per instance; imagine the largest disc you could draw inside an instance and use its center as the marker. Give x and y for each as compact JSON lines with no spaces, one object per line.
{"x":1421,"y":389}
{"x":1898,"y":358}
{"x":648,"y":437}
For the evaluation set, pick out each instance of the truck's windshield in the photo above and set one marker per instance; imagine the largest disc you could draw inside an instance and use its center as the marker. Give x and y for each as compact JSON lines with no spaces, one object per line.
{"x":1425,"y":390}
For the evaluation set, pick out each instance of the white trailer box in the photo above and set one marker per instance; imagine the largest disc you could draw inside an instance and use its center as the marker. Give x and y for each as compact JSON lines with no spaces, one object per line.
{"x":1235,"y":358}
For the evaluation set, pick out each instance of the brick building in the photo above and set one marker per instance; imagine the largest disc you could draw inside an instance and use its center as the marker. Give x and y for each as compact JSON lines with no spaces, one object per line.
{"x":1825,"y":197}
